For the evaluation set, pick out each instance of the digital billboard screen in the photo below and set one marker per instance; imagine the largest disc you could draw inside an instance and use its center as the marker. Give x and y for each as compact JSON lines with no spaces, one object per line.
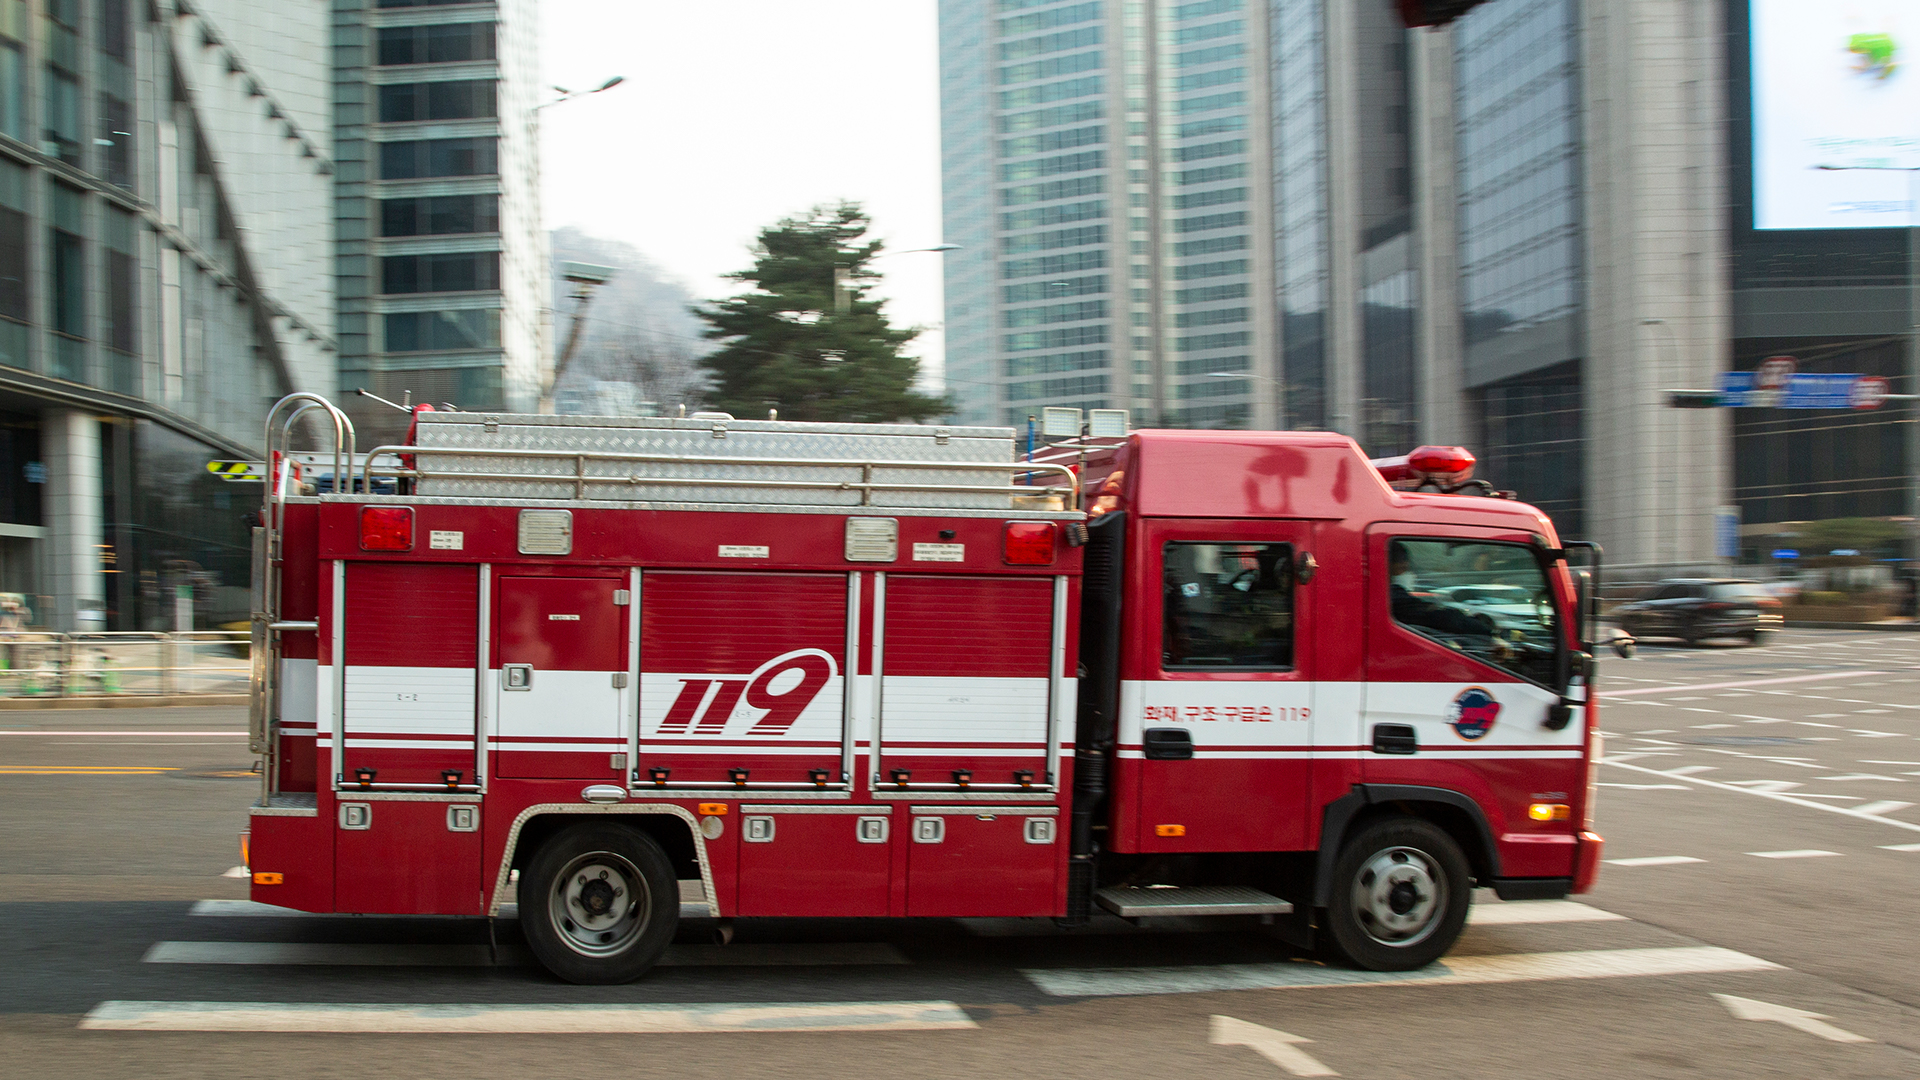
{"x":1836,"y":113}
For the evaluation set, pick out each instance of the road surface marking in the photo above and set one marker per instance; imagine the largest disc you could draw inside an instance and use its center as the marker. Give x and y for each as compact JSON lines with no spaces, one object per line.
{"x":1810,"y":1022}
{"x":1649,"y":787}
{"x":1767,"y":785}
{"x":1654,"y":860}
{"x":1688,"y":770}
{"x":1520,"y":967}
{"x":1730,"y":685}
{"x":1520,"y":912}
{"x":526,"y":1019}
{"x":1276,"y":1046}
{"x":122,"y":734}
{"x":400,"y":954}
{"x":1797,"y":800}
{"x":85,"y":769}
{"x":1797,"y":853}
{"x":1886,"y":806}
{"x":1900,"y":847}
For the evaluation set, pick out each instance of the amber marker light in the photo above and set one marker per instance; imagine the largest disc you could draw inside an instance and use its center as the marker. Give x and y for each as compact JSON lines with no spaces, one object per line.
{"x":1169,"y":830}
{"x":713,"y":809}
{"x":1544,"y":811}
{"x":266,"y":877}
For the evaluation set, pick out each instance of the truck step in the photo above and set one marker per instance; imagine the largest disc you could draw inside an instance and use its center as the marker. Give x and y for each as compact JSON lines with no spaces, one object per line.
{"x":1132,"y":902}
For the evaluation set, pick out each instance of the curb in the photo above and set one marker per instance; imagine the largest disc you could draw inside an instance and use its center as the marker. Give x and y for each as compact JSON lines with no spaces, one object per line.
{"x":1897,"y":627}
{"x":120,"y":701}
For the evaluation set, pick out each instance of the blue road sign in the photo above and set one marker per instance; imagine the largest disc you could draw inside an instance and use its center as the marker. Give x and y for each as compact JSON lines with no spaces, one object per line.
{"x":1802,"y":392}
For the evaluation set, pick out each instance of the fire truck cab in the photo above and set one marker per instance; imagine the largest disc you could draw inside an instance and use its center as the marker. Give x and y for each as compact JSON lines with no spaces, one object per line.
{"x":610,"y":672}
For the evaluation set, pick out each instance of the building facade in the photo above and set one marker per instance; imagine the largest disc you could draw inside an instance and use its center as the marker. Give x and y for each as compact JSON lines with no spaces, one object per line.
{"x":442,"y":265}
{"x":1509,"y":233}
{"x":165,"y":274}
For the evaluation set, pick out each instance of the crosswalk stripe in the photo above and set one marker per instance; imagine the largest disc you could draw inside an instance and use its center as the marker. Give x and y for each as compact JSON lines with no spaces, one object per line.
{"x":526,"y":1019}
{"x":1525,"y":912}
{"x":403,"y":954}
{"x":1886,"y":806}
{"x":1520,"y":967}
{"x":1800,"y":853}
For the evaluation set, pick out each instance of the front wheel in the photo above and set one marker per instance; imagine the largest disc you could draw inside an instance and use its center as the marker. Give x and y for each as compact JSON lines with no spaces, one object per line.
{"x":1400,"y":893}
{"x":599,"y":903}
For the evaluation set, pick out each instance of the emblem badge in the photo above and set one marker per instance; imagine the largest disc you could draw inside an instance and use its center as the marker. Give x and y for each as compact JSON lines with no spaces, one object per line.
{"x":1471,"y":715}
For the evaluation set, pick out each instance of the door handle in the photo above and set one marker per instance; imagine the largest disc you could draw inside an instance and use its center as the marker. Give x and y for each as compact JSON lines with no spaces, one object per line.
{"x":1395,"y":739}
{"x":516,"y":676}
{"x":1166,"y":744}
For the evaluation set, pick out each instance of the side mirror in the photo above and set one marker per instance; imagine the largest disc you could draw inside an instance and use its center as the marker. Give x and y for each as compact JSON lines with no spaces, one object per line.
{"x":1625,"y":647}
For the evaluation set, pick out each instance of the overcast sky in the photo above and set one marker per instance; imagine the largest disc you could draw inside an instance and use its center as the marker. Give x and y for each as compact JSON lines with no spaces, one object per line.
{"x":736,"y":113}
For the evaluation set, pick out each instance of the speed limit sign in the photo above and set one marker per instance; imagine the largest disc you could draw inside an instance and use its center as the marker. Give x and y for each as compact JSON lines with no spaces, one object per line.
{"x":1868,"y":392}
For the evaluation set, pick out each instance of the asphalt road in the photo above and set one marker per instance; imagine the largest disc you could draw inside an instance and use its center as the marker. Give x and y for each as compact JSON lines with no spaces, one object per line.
{"x":1757,"y":799}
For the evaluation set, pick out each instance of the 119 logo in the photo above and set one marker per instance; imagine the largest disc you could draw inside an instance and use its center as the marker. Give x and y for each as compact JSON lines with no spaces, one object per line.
{"x":783,"y":686}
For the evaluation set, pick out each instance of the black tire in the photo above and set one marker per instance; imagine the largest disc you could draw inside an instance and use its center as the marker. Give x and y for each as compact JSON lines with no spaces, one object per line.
{"x":1401,"y":888}
{"x":599,"y":903}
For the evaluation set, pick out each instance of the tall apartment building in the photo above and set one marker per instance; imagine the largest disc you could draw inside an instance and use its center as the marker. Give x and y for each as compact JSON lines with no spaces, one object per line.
{"x":442,"y":267}
{"x":165,"y":274}
{"x":1258,"y":213}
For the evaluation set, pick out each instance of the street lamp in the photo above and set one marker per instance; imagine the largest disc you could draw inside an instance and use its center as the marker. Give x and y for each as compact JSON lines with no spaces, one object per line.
{"x":1912,"y":169}
{"x":1279,"y":385}
{"x":843,"y":292}
{"x":569,"y":95}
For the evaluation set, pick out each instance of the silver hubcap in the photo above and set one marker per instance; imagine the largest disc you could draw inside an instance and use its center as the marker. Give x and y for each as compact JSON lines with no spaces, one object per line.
{"x":1399,"y":896}
{"x":599,"y":904}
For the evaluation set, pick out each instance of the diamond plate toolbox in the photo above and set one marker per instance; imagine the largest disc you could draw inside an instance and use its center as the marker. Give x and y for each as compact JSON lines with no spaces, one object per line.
{"x":701,"y":460}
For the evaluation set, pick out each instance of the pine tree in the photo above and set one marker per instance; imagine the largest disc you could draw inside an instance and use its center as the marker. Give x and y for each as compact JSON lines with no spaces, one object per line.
{"x":806,"y":340}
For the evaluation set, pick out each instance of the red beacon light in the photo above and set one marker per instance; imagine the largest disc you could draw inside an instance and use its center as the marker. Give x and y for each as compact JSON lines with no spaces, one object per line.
{"x":1446,"y":466}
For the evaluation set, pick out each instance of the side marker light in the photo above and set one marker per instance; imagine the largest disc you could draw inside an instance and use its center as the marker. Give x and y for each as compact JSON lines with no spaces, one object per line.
{"x":1169,"y":830}
{"x":713,"y":809}
{"x":1541,"y":811}
{"x":267,"y":877}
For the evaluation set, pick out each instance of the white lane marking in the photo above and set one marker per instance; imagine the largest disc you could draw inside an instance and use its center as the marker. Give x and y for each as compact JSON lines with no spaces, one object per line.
{"x":364,"y":954}
{"x":1797,"y":853}
{"x":1648,"y":787}
{"x":526,"y":1019}
{"x":1687,"y":770}
{"x":1900,"y":847}
{"x":1523,"y":912}
{"x":1654,"y":860}
{"x":1885,"y":806}
{"x":1767,"y":785}
{"x":1800,"y":1020}
{"x":1749,"y":682}
{"x":1276,"y":1046}
{"x":1518,"y":967}
{"x":142,"y":734}
{"x":697,"y":909}
{"x":1797,"y":800}
{"x":1866,"y":776}
{"x":1875,"y":734}
{"x":1869,"y":761}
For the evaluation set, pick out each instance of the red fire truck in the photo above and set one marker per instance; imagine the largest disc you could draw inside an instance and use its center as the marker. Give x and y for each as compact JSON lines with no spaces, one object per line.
{"x":614,"y":670}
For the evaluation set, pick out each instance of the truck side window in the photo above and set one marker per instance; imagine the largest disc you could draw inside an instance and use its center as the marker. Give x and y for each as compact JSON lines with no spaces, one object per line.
{"x":1228,"y":607}
{"x":1488,"y":600}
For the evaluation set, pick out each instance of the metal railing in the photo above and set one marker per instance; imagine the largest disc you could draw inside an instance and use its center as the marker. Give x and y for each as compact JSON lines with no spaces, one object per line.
{"x":580,"y":478}
{"x":43,"y":664}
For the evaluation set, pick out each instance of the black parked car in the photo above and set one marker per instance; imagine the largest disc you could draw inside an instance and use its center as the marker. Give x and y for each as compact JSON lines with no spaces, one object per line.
{"x":1693,"y":609}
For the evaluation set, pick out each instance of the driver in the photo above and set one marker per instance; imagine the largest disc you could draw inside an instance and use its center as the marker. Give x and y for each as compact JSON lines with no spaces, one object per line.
{"x":1419,"y":612}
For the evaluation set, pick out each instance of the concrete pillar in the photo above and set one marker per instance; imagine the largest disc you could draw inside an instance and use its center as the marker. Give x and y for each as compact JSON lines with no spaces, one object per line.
{"x":70,"y":448}
{"x":1439,"y":352}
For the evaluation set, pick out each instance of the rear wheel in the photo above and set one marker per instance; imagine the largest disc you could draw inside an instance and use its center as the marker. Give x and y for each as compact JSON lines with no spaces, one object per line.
{"x":599,"y":903}
{"x":1401,"y":887}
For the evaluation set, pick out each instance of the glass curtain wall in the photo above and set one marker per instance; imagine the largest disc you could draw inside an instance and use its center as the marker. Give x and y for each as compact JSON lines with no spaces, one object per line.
{"x":1300,"y":206}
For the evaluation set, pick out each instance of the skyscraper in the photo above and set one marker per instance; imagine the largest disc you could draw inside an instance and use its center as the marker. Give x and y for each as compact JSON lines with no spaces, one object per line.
{"x":165,"y":274}
{"x":442,"y":267}
{"x":1261,"y":213}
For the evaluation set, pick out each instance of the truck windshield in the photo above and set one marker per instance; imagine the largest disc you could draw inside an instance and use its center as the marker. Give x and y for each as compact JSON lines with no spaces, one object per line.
{"x":1488,"y":600}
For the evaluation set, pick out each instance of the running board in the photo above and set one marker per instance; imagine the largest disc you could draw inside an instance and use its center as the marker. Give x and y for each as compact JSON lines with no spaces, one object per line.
{"x":1154,"y":902}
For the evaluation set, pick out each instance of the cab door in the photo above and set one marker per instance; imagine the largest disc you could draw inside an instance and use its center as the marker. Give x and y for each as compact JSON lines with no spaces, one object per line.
{"x":1216,"y":743}
{"x":1466,"y":657}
